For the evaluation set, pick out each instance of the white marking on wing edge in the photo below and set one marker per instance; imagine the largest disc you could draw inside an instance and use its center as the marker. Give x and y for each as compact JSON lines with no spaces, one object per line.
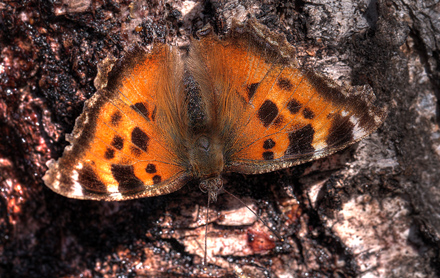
{"x":319,"y":145}
{"x":112,"y":188}
{"x":354,"y":120}
{"x":56,"y":183}
{"x":77,"y":189}
{"x":116,"y":195}
{"x":358,"y":131}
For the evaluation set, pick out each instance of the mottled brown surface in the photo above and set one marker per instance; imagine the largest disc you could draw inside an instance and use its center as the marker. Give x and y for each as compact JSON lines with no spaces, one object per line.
{"x":371,"y":211}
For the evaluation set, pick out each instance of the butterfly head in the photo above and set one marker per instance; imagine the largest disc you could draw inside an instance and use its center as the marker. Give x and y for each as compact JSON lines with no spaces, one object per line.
{"x":206,"y":162}
{"x":206,"y":158}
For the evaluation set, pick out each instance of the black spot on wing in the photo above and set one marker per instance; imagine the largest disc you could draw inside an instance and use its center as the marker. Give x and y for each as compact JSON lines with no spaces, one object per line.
{"x":116,"y":118}
{"x":308,"y":114}
{"x":118,"y":142}
{"x":109,"y":153}
{"x":135,"y":151}
{"x":157,"y":179}
{"x":284,"y":84}
{"x":141,"y":109}
{"x":300,"y":141}
{"x":252,"y":89}
{"x":267,"y":112}
{"x":127,"y":180}
{"x":341,"y":131}
{"x":294,"y":106}
{"x":268,"y":144}
{"x":153,"y":115}
{"x":151,"y":168}
{"x":278,"y":121}
{"x":268,"y":155}
{"x":89,"y":180}
{"x":140,"y":139}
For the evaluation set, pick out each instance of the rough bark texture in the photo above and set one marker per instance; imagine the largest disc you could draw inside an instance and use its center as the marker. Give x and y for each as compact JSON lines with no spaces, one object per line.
{"x":370,"y":211}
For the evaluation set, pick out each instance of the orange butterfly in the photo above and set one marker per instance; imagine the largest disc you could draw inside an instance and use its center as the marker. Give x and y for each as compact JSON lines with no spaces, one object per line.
{"x":237,"y":104}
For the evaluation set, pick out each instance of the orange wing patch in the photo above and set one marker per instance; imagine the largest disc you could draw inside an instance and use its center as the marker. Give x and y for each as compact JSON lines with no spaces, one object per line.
{"x":119,"y":150}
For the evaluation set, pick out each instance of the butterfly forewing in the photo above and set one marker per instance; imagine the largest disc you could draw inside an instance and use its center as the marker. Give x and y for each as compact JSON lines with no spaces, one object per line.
{"x":120,"y":149}
{"x":281,"y":115}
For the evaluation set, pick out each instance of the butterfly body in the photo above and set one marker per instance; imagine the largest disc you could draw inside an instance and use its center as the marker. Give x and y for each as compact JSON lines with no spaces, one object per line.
{"x":237,"y":104}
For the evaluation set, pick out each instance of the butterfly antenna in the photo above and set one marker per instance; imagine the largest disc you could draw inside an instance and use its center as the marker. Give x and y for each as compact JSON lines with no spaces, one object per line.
{"x":259,"y":218}
{"x":206,"y":232}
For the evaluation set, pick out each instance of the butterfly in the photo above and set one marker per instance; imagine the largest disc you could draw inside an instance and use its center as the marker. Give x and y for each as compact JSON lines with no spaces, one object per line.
{"x":239,"y":103}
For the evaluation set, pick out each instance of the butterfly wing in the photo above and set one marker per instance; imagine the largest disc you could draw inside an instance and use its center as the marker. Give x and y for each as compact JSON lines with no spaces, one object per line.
{"x":121,"y":146}
{"x":277,"y":114}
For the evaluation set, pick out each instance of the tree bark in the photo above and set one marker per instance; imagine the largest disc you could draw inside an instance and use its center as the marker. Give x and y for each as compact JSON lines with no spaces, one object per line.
{"x":369,"y":211}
